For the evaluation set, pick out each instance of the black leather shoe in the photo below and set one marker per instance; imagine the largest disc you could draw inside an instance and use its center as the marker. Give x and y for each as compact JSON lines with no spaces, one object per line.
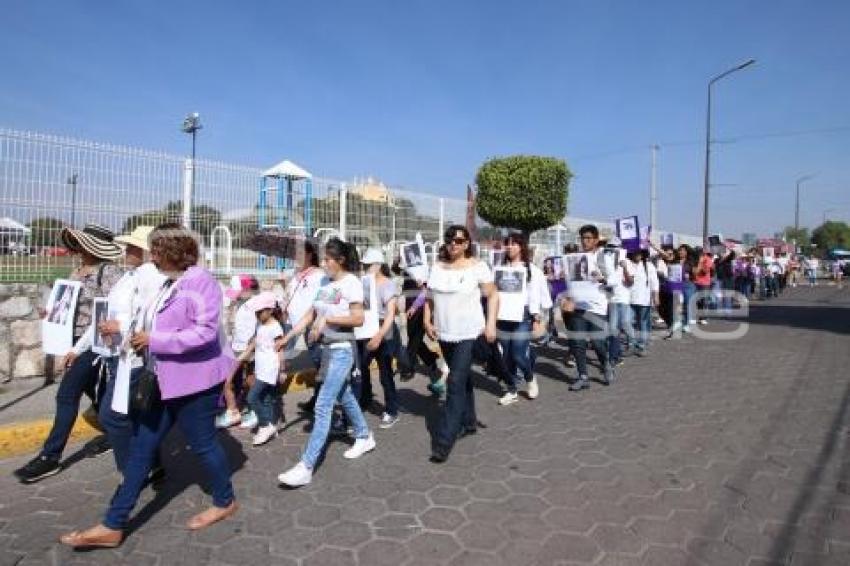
{"x":439,"y":454}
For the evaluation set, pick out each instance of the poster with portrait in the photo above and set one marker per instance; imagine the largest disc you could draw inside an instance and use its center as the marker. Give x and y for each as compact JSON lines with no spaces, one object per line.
{"x":582,"y":272}
{"x":553,"y":267}
{"x":674,"y":273}
{"x":767,"y":253}
{"x":645,"y":234}
{"x":370,"y":309}
{"x":413,"y":258}
{"x":101,"y":345}
{"x":667,"y":239}
{"x":628,"y":230}
{"x":497,"y":257}
{"x":510,"y":283}
{"x":57,"y":328}
{"x":715,"y":244}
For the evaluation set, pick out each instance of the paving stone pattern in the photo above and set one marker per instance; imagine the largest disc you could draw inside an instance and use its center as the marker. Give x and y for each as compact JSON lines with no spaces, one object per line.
{"x":704,"y":452}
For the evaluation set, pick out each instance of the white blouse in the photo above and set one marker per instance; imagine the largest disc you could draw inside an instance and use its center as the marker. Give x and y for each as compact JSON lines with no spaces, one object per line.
{"x":458,"y":313}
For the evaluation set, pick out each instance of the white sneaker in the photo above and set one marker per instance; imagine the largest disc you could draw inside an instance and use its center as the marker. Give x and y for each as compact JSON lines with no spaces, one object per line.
{"x":264,"y":434}
{"x":508,"y":398}
{"x":228,"y":418}
{"x":361,"y":446}
{"x":249,"y":420}
{"x":533,"y":388}
{"x":686,"y":329}
{"x":571,"y":363}
{"x":296,"y":476}
{"x":388,"y":420}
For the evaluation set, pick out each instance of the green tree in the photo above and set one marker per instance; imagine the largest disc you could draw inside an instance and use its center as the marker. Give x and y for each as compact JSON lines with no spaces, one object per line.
{"x":45,"y":231}
{"x":830,"y":235}
{"x":523,"y":192}
{"x":801,"y":235}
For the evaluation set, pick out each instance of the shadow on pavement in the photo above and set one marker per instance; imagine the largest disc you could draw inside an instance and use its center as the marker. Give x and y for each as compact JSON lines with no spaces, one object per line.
{"x":182,"y":469}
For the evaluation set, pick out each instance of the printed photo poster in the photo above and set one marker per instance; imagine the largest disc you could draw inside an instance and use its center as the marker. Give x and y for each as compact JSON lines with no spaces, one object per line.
{"x":674,"y":272}
{"x":667,"y":239}
{"x":582,"y":271}
{"x":101,"y":344}
{"x":57,"y":328}
{"x":645,"y":233}
{"x":511,"y":283}
{"x":628,"y":231}
{"x":715,"y":244}
{"x":767,"y":253}
{"x":413,"y":258}
{"x":370,"y":308}
{"x":497,"y":257}
{"x":553,"y":267}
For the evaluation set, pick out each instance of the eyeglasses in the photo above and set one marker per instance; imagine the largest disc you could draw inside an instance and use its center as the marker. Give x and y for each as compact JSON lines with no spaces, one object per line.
{"x":588,"y":237}
{"x":456,"y":241}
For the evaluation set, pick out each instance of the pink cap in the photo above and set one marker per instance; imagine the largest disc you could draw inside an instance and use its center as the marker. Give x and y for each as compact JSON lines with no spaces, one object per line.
{"x":239,"y":283}
{"x":265,"y":300}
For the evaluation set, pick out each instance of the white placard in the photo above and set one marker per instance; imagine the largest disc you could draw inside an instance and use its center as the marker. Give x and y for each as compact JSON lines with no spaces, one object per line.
{"x":767,"y":252}
{"x":497,"y":257}
{"x":101,"y":344}
{"x":627,"y":228}
{"x":511,"y":284}
{"x":414,"y":260}
{"x":582,"y":272}
{"x":674,"y":272}
{"x":57,"y":328}
{"x":370,"y":309}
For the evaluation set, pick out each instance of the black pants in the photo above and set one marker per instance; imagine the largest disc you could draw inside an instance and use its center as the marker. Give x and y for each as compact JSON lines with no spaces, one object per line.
{"x":416,"y":346}
{"x":587,"y":327}
{"x":459,"y":410}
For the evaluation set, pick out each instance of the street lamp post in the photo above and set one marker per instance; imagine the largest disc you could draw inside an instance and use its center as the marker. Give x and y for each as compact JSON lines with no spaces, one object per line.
{"x":797,"y":201}
{"x":825,"y":212}
{"x":706,"y":182}
{"x":191,"y":125}
{"x":72,"y":180}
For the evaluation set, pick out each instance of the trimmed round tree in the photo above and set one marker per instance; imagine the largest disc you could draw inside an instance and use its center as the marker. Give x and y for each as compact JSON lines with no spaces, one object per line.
{"x":523,"y":192}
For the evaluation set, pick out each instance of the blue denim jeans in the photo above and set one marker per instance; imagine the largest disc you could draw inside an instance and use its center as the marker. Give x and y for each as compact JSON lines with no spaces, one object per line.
{"x":619,"y":318}
{"x":644,"y":325}
{"x":384,"y":355}
{"x":118,"y":427}
{"x":334,"y":371}
{"x":459,"y":408}
{"x":586,"y":326}
{"x":195,"y":415}
{"x":515,"y":340}
{"x":80,"y":378}
{"x":688,"y":314}
{"x":263,"y":400}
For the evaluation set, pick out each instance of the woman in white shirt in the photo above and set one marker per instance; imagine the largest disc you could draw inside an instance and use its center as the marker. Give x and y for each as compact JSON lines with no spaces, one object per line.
{"x":336,"y":311}
{"x":456,"y":284}
{"x":127,"y":299}
{"x":523,"y":295}
{"x":643,"y":292}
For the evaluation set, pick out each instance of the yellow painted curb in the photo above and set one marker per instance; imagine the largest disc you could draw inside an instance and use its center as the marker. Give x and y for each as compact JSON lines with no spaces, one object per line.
{"x":27,"y":437}
{"x":22,"y":438}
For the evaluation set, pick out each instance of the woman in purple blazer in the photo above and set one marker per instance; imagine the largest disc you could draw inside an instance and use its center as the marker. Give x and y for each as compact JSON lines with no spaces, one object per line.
{"x":180,"y":331}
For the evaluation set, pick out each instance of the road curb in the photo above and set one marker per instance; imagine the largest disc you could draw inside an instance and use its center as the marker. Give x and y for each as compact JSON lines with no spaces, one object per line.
{"x":28,"y":436}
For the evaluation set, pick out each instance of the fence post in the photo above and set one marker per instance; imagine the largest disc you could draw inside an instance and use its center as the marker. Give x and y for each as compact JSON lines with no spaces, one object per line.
{"x":308,"y":208}
{"x":188,"y":182}
{"x":442,"y":218}
{"x":343,"y":197}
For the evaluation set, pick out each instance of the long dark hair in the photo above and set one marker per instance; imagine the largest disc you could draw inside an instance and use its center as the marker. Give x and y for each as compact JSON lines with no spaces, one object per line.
{"x":524,"y":253}
{"x":450,"y":233}
{"x":344,"y":253}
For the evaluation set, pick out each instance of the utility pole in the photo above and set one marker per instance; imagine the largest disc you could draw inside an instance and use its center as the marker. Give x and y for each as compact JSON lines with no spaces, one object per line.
{"x":72,"y":180}
{"x":653,"y":190}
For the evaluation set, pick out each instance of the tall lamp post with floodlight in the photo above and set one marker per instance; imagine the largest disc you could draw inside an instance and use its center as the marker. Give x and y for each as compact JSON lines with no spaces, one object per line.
{"x":706,"y":183}
{"x":191,"y":125}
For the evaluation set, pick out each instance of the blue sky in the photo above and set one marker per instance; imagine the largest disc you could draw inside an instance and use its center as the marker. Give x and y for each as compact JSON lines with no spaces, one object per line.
{"x":419,"y":93}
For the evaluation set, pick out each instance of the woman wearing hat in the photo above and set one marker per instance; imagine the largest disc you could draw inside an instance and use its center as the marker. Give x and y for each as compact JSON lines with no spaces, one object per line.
{"x":127,"y":300}
{"x":180,"y":336}
{"x":96,"y":247}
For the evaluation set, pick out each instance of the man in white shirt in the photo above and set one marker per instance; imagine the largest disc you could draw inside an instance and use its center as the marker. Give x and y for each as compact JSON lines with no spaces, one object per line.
{"x":588,"y":305}
{"x":619,"y":307}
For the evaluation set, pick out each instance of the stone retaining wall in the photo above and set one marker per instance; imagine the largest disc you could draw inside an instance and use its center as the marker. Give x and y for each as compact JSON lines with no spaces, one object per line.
{"x":20,"y":331}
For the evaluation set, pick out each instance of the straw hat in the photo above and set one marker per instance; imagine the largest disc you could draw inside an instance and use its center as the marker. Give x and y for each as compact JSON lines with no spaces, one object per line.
{"x":138,"y":237}
{"x":95,"y":239}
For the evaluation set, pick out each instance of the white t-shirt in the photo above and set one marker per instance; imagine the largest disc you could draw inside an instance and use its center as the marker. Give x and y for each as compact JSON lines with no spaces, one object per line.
{"x":645,"y":283}
{"x":334,"y":299}
{"x":266,"y":359}
{"x":244,"y":327}
{"x":458,"y":314}
{"x":301,"y":292}
{"x":588,"y":295}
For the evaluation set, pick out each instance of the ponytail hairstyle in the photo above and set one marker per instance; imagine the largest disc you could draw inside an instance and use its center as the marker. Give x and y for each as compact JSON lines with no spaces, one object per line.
{"x":343,"y":253}
{"x":524,"y":253}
